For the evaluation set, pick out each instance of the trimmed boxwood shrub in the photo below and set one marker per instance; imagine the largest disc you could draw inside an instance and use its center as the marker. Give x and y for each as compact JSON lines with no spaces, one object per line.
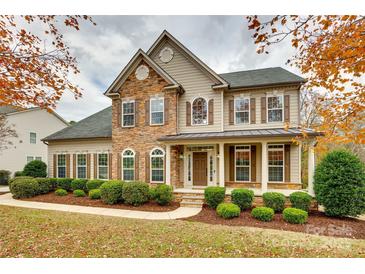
{"x":162,"y":194}
{"x":35,"y":168}
{"x":24,"y":188}
{"x":228,"y":210}
{"x":339,"y":184}
{"x":265,"y":214}
{"x":214,"y":195}
{"x":94,"y":194}
{"x":94,"y":184}
{"x":242,"y":197}
{"x":79,"y":193}
{"x":300,"y":200}
{"x":111,"y":192}
{"x":295,"y":215}
{"x":11,"y":181}
{"x":78,"y":184}
{"x":4,"y":177}
{"x":274,"y":200}
{"x":61,"y":192}
{"x":135,"y":193}
{"x":45,"y":185}
{"x":64,"y":183}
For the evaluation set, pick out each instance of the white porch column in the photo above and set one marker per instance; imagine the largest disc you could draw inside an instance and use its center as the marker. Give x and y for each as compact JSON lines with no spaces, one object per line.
{"x":168,"y":164}
{"x":311,"y":167}
{"x":264,"y":167}
{"x":221,"y":164}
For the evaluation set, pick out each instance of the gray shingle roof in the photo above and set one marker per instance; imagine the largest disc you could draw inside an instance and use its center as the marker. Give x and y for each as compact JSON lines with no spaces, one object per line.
{"x":280,"y":132}
{"x":98,"y":125}
{"x":261,"y":77}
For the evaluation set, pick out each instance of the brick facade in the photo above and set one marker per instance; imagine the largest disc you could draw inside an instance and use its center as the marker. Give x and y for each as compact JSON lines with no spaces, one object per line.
{"x":143,"y":137}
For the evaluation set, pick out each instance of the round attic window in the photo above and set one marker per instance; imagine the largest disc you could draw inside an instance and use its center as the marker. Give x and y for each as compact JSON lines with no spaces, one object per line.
{"x":142,"y":72}
{"x":166,"y":55}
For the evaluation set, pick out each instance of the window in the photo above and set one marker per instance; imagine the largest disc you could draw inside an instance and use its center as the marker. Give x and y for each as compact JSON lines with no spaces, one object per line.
{"x":103,"y":166}
{"x":33,"y":138}
{"x":157,"y":165}
{"x":156,"y":108}
{"x":61,"y":166}
{"x":81,"y":166}
{"x":128,"y":112}
{"x":242,"y":110}
{"x":189,"y":167}
{"x":30,"y":158}
{"x":199,"y":112}
{"x":38,"y":158}
{"x":275,"y":108}
{"x":128,"y":165}
{"x":242,"y":163}
{"x":211,"y":168}
{"x":276,"y":163}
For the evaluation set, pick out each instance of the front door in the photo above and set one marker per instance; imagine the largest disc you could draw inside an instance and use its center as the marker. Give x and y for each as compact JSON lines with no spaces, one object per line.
{"x":200,"y":170}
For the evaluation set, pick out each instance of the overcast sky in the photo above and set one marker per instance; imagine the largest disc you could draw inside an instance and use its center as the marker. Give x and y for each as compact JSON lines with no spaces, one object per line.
{"x":222,"y":42}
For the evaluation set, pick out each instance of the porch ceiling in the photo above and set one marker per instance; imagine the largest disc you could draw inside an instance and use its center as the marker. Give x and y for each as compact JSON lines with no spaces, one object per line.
{"x":252,"y":133}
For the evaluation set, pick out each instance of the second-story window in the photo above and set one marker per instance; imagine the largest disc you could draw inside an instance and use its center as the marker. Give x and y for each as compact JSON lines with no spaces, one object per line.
{"x":156,"y":107}
{"x":242,"y":110}
{"x":128,"y":114}
{"x":275,"y":108}
{"x":199,"y":112}
{"x":33,"y":138}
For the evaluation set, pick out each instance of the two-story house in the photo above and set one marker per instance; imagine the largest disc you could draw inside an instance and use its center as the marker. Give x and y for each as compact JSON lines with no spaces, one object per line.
{"x":174,"y":120}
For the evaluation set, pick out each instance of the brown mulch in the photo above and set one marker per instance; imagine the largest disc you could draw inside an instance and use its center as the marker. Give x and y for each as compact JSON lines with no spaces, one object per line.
{"x":86,"y":201}
{"x":318,"y":223}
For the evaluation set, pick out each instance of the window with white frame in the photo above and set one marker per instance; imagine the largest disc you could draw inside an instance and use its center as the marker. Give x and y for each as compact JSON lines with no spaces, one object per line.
{"x":275,"y":108}
{"x":30,"y":158}
{"x":128,"y":114}
{"x":276,"y":163}
{"x":242,"y":110}
{"x":156,"y":111}
{"x":157,"y":165}
{"x":103,"y":166}
{"x":242,"y":163}
{"x":199,"y":111}
{"x":61,"y":166}
{"x":81,"y":166}
{"x":33,"y":137}
{"x":38,"y":158}
{"x":128,"y":165}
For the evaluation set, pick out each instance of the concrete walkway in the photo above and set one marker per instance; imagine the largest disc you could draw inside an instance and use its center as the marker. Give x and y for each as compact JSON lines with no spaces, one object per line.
{"x":181,"y":212}
{"x":4,"y":189}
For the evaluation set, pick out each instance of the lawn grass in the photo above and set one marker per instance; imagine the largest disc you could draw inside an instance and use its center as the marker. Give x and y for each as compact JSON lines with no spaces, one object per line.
{"x":40,"y":233}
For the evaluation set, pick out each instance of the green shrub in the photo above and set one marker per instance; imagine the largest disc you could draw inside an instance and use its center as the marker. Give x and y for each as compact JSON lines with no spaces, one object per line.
{"x":300,"y":200}
{"x":35,"y":168}
{"x":18,"y":173}
{"x":214,"y":195}
{"x":274,"y":200}
{"x":24,"y":188}
{"x":265,"y":214}
{"x":242,"y":197}
{"x":79,"y":193}
{"x":45,"y":185}
{"x":295,"y":215}
{"x":78,"y":184}
{"x":4,"y":177}
{"x":339,"y":184}
{"x":162,"y":194}
{"x":11,"y":181}
{"x":53,"y":182}
{"x":111,"y":192}
{"x":94,"y":184}
{"x":228,"y":210}
{"x":94,"y":194}
{"x":135,"y":193}
{"x":64,"y":183}
{"x":152,"y":193}
{"x":61,"y":192}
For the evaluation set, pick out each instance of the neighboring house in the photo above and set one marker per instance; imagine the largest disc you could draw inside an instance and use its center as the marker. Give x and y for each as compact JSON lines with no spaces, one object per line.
{"x":31,"y":125}
{"x":174,"y":120}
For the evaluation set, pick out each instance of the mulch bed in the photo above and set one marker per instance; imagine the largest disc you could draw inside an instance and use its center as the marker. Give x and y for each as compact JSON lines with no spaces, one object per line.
{"x":318,"y":223}
{"x":86,"y":201}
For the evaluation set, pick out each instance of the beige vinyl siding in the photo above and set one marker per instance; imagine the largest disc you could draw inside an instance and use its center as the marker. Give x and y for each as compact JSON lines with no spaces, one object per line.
{"x":294,"y":164}
{"x":196,"y":83}
{"x":75,"y":148}
{"x":257,"y":94}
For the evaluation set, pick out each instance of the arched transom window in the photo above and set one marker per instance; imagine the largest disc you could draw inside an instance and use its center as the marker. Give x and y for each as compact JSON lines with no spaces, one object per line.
{"x":199,"y":111}
{"x":128,"y":164}
{"x":157,"y":165}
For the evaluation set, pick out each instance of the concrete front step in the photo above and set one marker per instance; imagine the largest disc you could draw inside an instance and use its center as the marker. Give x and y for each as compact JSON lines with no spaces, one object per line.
{"x":192,"y":198}
{"x":185,"y":203}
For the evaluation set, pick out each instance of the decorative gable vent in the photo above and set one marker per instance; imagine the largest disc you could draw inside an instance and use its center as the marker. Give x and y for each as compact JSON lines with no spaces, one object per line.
{"x":142,"y":72}
{"x":166,"y":54}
